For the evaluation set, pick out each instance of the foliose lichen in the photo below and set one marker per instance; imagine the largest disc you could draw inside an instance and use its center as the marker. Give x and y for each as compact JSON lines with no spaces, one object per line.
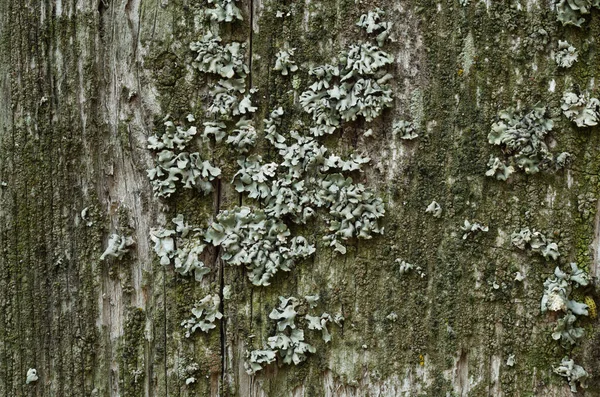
{"x":372,"y":23}
{"x":472,"y":228}
{"x":260,"y":243}
{"x":569,"y":12}
{"x":565,"y":55}
{"x":224,"y":11}
{"x":176,"y":166}
{"x":581,"y":109}
{"x":32,"y":376}
{"x":536,"y":241}
{"x":434,"y":209}
{"x":284,"y":62}
{"x":521,"y":136}
{"x":205,"y":312}
{"x":557,"y":290}
{"x":182,"y":247}
{"x":406,"y":129}
{"x":118,"y":246}
{"x":289,"y":342}
{"x":573,"y":372}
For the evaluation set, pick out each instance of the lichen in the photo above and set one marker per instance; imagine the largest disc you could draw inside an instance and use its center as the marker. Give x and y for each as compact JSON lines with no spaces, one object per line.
{"x":355,"y":87}
{"x":566,"y":55}
{"x":434,"y":209}
{"x":118,"y":246}
{"x":521,"y":136}
{"x":261,"y":243}
{"x":472,"y":228}
{"x":32,"y":376}
{"x":182,"y":246}
{"x":289,"y":341}
{"x":372,"y":23}
{"x":536,"y":241}
{"x":224,"y":11}
{"x":569,"y":12}
{"x":573,"y":372}
{"x":175,"y":166}
{"x":557,"y":291}
{"x":406,"y":130}
{"x":205,"y":312}
{"x":498,"y":169}
{"x":284,"y":62}
{"x":581,"y":109}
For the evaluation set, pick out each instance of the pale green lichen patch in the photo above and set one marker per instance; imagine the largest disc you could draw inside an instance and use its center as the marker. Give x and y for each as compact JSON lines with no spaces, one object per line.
{"x":176,"y":166}
{"x":205,"y":312}
{"x":118,"y":246}
{"x":570,"y":12}
{"x":472,"y":228}
{"x":557,"y":291}
{"x":536,"y":241}
{"x":435,"y":209}
{"x":565,"y":55}
{"x":522,"y":137}
{"x":581,"y":109}
{"x":182,"y":247}
{"x":32,"y":376}
{"x":260,"y":243}
{"x":284,"y":62}
{"x":405,"y":129}
{"x":289,"y":341}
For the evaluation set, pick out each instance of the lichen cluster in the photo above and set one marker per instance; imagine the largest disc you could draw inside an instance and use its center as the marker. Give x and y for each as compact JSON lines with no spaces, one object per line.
{"x":289,"y":341}
{"x":176,"y":166}
{"x":302,"y":179}
{"x":570,"y":12}
{"x":536,"y":241}
{"x":472,"y":228}
{"x":118,"y":246}
{"x":205,"y":312}
{"x":566,"y":55}
{"x":182,"y":247}
{"x":522,"y":138}
{"x":556,"y":298}
{"x":581,"y":109}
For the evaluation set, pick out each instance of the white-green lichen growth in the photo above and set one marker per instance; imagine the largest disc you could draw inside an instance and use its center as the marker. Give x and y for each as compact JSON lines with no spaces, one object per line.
{"x":570,"y":12}
{"x":213,"y":57}
{"x":182,"y":247}
{"x":565,"y":330}
{"x":434,"y":209}
{"x":261,"y":243}
{"x":243,"y":136}
{"x":565,"y":55}
{"x":581,"y":109}
{"x":372,"y":23}
{"x":284,"y":62}
{"x":472,"y":228}
{"x":557,"y":290}
{"x":499,"y":170}
{"x":224,"y":11}
{"x":355,"y":87}
{"x":573,"y":372}
{"x":289,"y":341}
{"x":522,"y":137}
{"x":405,"y":129}
{"x":32,"y":376}
{"x":535,"y":241}
{"x":174,"y":166}
{"x":205,"y":313}
{"x":405,"y":267}
{"x":118,"y":246}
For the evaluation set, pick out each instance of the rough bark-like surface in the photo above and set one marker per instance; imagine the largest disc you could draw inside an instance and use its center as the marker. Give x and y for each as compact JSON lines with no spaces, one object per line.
{"x":84,"y":82}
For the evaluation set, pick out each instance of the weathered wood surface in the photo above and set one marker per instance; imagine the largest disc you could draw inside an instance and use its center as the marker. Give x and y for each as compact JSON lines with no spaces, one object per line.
{"x":84,"y":82}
